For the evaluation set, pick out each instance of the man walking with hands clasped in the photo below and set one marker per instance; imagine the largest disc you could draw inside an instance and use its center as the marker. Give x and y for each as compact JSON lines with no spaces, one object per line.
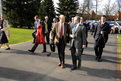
{"x":101,"y":36}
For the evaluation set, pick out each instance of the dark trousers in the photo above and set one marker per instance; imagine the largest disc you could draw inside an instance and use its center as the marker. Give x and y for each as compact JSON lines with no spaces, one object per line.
{"x":74,"y":57}
{"x":99,"y":45}
{"x":61,"y":50}
{"x":36,"y":45}
{"x":98,"y":51}
{"x":47,"y":37}
{"x":34,"y":36}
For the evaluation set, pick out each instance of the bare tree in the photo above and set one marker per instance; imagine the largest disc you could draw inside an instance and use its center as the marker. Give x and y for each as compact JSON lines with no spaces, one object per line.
{"x":96,"y":5}
{"x":89,"y":5}
{"x":109,"y":8}
{"x":82,"y":8}
{"x":119,"y":5}
{"x":119,"y":8}
{"x":86,"y":7}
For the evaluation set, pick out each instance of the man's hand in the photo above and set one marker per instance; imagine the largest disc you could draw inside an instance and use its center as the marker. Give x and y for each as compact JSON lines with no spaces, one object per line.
{"x":84,"y":46}
{"x":73,"y":36}
{"x":101,"y":32}
{"x":51,"y":38}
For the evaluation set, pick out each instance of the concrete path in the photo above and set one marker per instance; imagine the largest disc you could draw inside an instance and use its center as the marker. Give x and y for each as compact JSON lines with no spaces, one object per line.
{"x":18,"y":64}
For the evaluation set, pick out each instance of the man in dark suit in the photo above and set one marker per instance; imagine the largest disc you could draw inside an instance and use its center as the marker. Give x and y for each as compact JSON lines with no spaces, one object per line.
{"x":86,"y":27}
{"x":101,"y":36}
{"x":78,"y":42}
{"x":48,"y":25}
{"x":61,"y":31}
{"x":92,"y":28}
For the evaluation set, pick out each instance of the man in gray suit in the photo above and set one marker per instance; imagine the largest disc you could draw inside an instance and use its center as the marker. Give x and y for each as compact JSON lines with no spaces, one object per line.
{"x":78,"y":42}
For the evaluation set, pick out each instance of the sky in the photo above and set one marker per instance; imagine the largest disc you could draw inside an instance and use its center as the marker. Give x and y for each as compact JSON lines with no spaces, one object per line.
{"x":100,"y":8}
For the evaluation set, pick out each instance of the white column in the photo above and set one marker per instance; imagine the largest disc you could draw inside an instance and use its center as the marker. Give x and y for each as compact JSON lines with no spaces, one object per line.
{"x":1,"y":7}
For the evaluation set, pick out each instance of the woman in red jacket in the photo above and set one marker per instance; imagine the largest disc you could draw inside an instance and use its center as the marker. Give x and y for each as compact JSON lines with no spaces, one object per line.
{"x":39,"y":39}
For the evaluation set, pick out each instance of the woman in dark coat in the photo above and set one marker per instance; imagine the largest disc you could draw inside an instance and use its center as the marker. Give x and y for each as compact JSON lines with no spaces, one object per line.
{"x":39,"y":39}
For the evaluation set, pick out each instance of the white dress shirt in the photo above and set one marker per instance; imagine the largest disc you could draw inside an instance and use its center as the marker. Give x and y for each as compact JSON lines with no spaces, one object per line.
{"x":63,"y":28}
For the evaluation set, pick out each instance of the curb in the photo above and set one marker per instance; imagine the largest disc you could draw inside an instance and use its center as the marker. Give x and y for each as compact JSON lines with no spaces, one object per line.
{"x":118,"y":62}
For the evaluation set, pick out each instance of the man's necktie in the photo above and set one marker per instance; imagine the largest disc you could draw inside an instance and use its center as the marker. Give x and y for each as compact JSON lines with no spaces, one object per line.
{"x":101,"y":25}
{"x":61,"y":33}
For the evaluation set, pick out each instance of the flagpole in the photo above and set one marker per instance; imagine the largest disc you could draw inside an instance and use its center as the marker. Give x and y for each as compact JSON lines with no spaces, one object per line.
{"x":1,"y":6}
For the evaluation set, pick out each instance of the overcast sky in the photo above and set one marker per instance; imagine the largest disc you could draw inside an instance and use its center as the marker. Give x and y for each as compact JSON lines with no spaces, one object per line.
{"x":100,"y":6}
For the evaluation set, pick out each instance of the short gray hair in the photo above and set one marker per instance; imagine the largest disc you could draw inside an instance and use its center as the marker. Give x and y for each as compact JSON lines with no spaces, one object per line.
{"x":77,"y":18}
{"x":61,"y":16}
{"x":46,"y":17}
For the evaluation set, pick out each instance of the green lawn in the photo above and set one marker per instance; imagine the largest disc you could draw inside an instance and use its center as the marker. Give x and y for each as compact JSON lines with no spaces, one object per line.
{"x":119,"y":38}
{"x":18,"y":35}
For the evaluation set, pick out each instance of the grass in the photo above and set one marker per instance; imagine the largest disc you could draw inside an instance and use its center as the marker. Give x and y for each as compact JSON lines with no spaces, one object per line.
{"x":18,"y":35}
{"x":119,"y":39}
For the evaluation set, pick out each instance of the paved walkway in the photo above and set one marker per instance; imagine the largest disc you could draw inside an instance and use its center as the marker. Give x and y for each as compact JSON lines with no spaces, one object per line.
{"x":18,"y":64}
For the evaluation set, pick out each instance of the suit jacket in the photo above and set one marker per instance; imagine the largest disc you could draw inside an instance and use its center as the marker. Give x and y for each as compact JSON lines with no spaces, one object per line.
{"x":49,"y":24}
{"x":71,"y":25}
{"x":56,"y":31}
{"x":86,"y":26}
{"x":97,"y":34}
{"x":6,"y":28}
{"x":80,"y":36}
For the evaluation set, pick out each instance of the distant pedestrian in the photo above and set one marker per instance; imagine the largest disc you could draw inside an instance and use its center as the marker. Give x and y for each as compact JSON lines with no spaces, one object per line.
{"x":54,"y":22}
{"x":92,"y":28}
{"x":4,"y":35}
{"x":72,"y":23}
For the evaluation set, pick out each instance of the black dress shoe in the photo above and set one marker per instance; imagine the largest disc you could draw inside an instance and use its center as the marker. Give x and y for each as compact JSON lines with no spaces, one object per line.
{"x":43,"y":51}
{"x":73,"y":68}
{"x":31,"y":51}
{"x":48,"y":54}
{"x":96,"y":58}
{"x":99,"y":60}
{"x":8,"y":49}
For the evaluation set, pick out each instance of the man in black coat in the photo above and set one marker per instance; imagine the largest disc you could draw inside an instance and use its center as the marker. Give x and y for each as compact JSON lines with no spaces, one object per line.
{"x":86,"y":27}
{"x":101,"y":36}
{"x":48,"y":25}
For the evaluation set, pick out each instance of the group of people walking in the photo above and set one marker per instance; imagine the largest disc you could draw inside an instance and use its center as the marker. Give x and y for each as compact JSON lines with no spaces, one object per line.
{"x":60,"y":33}
{"x":75,"y":33}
